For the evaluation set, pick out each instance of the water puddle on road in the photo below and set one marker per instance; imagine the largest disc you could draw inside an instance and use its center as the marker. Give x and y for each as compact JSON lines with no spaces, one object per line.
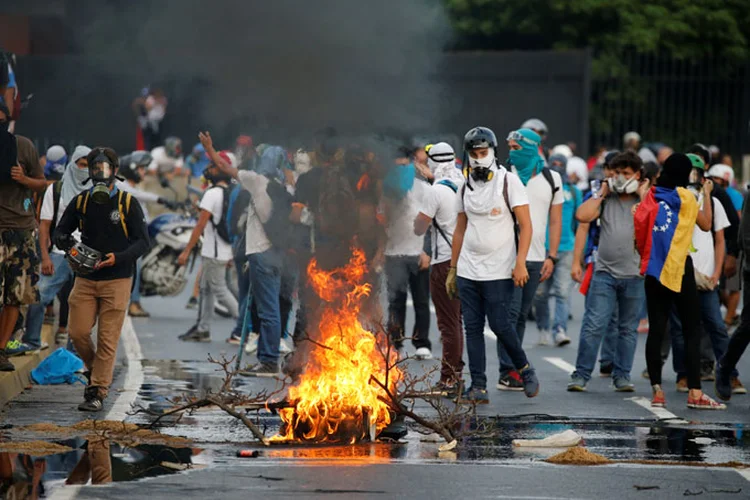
{"x":33,"y":469}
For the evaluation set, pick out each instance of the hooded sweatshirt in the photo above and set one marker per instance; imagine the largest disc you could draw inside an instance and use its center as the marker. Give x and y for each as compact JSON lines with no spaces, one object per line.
{"x":74,"y":177}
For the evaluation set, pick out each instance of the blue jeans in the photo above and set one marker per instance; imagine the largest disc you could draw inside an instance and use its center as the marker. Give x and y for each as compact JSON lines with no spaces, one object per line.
{"x":609,"y":341}
{"x":49,"y":286}
{"x":265,"y":279}
{"x":490,"y":300}
{"x":606,"y":296}
{"x":558,"y":286}
{"x":523,"y":299}
{"x":711,"y":321}
{"x":135,"y":294}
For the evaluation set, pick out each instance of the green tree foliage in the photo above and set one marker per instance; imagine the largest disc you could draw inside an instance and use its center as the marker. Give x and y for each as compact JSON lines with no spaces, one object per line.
{"x":679,"y":28}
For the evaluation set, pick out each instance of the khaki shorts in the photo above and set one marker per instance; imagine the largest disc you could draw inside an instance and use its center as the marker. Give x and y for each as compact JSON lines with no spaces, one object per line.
{"x":19,"y":267}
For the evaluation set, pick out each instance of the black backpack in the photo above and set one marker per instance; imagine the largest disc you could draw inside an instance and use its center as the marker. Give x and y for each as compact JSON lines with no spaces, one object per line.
{"x":222,"y":228}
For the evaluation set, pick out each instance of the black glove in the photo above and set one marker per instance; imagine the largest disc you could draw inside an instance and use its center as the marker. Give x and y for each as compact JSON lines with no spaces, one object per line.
{"x":65,"y":242}
{"x":172,"y":205}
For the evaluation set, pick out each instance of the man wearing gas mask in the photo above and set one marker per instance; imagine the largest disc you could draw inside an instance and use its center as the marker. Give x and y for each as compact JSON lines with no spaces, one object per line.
{"x":709,"y":250}
{"x":488,"y":258}
{"x":113,"y":237}
{"x":616,"y":288}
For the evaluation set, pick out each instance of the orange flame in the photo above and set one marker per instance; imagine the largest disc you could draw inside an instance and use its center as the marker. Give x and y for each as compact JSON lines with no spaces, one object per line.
{"x":335,"y":399}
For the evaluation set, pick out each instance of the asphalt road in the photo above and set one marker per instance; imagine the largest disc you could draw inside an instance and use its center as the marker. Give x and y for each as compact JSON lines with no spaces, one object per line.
{"x":617,"y":425}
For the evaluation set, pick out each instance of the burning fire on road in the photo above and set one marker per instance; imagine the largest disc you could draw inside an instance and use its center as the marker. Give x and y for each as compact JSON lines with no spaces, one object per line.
{"x":336,"y":399}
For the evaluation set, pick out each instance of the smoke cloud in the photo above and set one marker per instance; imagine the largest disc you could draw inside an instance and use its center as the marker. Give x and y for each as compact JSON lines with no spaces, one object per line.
{"x":281,"y":68}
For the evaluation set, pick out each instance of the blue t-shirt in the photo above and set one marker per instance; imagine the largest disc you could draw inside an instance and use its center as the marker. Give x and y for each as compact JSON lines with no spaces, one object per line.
{"x":572,"y":200}
{"x":11,"y":82}
{"x":736,"y":197}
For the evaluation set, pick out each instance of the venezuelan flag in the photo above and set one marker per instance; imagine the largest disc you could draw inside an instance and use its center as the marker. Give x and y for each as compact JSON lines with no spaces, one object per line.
{"x":664,"y":223}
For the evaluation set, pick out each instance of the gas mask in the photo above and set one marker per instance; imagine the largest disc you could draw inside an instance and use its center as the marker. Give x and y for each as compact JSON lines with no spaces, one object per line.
{"x":102,"y":175}
{"x":622,"y":185}
{"x":482,"y":163}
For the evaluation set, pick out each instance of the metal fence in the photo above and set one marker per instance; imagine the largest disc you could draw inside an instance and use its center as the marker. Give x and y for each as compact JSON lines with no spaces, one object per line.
{"x":677,"y":102}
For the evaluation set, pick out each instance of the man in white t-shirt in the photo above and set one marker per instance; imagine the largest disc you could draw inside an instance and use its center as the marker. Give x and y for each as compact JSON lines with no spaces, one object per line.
{"x":407,"y":264}
{"x":167,"y":159}
{"x":544,"y":189}
{"x":439,"y":212}
{"x":488,"y":258}
{"x":216,"y":253}
{"x":708,"y":261}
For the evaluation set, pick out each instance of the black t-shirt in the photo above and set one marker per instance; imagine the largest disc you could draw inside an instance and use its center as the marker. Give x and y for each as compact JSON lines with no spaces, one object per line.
{"x":101,"y":229}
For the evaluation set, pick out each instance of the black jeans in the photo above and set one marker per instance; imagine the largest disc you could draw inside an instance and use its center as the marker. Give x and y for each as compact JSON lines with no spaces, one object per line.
{"x":741,"y":337}
{"x":659,"y":300}
{"x":402,"y":274}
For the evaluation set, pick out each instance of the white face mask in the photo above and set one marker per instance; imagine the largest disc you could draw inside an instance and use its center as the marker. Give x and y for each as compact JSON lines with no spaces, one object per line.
{"x":302,"y":163}
{"x":622,"y":185}
{"x":485,"y":162}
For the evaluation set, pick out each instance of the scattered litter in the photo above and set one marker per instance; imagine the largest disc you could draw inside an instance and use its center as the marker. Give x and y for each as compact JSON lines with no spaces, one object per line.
{"x":578,"y":456}
{"x":247,"y":454}
{"x":431,"y":438}
{"x":702,"y":440}
{"x":34,"y":448}
{"x":175,"y":466}
{"x":561,"y":440}
{"x":448,"y":446}
{"x":645,"y":488}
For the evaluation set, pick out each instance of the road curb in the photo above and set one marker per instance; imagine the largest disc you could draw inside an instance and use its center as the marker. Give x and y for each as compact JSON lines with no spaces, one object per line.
{"x":14,"y":383}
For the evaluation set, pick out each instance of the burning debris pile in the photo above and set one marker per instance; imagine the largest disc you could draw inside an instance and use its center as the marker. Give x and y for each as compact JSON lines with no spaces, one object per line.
{"x":337,"y":400}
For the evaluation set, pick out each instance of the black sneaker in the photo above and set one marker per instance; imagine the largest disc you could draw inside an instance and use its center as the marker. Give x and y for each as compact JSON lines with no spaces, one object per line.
{"x":92,"y":400}
{"x":195,"y":335}
{"x":510,"y":382}
{"x":5,"y":364}
{"x":474,"y":395}
{"x":605,"y":369}
{"x":192,"y":303}
{"x":707,"y":371}
{"x":261,"y":370}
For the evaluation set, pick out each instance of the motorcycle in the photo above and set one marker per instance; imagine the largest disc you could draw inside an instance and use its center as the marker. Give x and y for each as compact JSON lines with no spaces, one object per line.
{"x":170,"y":233}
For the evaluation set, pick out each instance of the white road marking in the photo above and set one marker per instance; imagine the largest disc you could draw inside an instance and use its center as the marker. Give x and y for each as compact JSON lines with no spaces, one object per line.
{"x":561,"y":364}
{"x":661,"y":413}
{"x":125,"y":398}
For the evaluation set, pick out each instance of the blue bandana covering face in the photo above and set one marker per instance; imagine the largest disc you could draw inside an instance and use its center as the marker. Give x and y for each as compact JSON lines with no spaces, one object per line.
{"x":527,"y":160}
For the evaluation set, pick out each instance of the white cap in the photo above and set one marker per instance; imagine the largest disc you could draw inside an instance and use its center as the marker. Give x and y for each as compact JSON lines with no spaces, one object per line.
{"x":631,"y":136}
{"x":577,"y":166}
{"x":562,"y":149}
{"x":55,"y":153}
{"x":233,"y":158}
{"x":722,"y":172}
{"x":535,"y":124}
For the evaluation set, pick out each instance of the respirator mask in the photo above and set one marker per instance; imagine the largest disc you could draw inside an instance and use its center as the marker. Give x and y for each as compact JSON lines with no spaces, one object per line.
{"x":481,"y":167}
{"x":622,"y":185}
{"x":102,"y":175}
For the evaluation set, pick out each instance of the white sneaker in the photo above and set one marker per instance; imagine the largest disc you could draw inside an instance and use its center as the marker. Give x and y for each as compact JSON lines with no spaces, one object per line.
{"x":423,"y":353}
{"x":561,"y":339}
{"x":284,"y":347}
{"x":544,"y":338}
{"x":252,"y":343}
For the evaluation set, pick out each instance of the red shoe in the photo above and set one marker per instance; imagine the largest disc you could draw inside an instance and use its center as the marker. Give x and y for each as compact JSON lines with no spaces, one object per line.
{"x":658,"y":401}
{"x":705,"y":403}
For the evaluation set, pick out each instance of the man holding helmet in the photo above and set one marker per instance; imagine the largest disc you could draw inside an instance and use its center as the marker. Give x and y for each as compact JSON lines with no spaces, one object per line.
{"x":113,"y":237}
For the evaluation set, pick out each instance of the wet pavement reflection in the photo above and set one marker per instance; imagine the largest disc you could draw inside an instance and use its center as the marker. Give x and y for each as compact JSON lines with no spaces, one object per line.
{"x":97,"y":461}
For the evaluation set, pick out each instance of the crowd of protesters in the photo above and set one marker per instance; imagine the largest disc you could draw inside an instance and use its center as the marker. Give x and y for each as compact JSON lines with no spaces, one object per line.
{"x":486,"y":240}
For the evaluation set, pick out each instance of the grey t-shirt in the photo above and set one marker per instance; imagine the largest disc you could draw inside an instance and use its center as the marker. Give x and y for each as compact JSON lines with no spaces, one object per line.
{"x":617,"y":253}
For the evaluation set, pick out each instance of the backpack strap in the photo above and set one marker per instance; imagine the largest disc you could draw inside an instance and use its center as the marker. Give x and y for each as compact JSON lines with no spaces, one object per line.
{"x":81,"y":203}
{"x":547,"y":173}
{"x":512,"y":214}
{"x":450,"y":184}
{"x":120,"y":195}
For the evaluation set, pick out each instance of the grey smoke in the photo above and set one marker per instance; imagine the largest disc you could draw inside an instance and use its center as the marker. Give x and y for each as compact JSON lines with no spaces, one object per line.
{"x":280,"y":67}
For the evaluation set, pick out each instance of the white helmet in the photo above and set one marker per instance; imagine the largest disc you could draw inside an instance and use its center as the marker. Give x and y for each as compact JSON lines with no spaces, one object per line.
{"x":536,"y":125}
{"x":722,"y":172}
{"x":562,"y":149}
